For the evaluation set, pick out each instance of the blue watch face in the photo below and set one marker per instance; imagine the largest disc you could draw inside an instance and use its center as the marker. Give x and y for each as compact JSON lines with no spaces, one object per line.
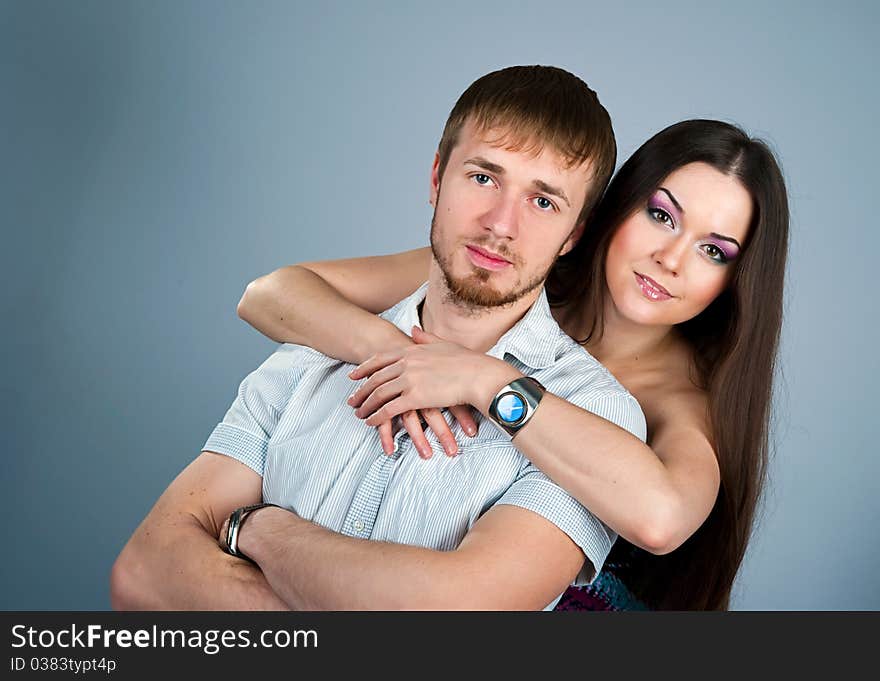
{"x":511,"y":407}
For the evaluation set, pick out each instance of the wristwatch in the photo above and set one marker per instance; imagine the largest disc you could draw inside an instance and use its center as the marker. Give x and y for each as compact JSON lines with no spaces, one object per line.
{"x":233,"y":528}
{"x":515,"y":404}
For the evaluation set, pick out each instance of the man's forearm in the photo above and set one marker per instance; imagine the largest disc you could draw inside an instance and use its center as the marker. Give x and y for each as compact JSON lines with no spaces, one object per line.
{"x":181,"y":567}
{"x":312,"y":568}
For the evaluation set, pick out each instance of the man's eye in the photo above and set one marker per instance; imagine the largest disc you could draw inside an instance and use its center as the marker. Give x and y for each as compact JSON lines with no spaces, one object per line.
{"x":482,"y":179}
{"x":544,"y":203}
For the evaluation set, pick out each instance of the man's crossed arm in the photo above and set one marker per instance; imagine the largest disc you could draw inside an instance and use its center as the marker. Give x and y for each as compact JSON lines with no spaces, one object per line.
{"x":511,"y":559}
{"x":173,"y":562}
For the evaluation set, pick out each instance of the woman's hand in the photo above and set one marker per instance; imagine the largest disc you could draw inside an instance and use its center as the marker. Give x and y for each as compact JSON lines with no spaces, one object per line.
{"x":427,"y":376}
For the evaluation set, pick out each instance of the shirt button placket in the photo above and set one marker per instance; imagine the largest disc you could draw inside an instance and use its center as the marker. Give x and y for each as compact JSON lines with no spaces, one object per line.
{"x":361,"y":516}
{"x":400,"y":441}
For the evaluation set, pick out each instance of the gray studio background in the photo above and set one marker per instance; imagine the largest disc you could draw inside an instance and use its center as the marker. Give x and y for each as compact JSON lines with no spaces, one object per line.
{"x":157,"y":156}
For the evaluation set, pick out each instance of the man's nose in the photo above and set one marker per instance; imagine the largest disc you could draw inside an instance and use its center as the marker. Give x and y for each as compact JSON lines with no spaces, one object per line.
{"x":503,"y":219}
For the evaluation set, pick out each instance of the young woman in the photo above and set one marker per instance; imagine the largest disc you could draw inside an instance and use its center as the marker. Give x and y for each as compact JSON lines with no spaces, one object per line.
{"x":676,"y":287}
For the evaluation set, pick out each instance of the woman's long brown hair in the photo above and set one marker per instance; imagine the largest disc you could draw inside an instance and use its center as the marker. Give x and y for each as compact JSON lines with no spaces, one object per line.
{"x":734,"y":340}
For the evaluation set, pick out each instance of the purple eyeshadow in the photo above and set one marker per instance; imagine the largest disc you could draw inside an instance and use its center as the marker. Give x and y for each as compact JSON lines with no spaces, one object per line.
{"x":730,"y":251}
{"x":659,"y":201}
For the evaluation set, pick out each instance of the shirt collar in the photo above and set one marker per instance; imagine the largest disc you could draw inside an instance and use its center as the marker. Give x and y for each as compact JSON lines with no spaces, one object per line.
{"x":532,"y":340}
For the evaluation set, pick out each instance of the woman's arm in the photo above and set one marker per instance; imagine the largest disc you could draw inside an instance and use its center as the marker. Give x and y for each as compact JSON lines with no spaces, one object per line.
{"x":654,"y":499}
{"x":331,"y":306}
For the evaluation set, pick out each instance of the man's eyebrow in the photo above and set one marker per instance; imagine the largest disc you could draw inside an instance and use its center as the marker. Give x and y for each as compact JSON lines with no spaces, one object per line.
{"x":485,"y":164}
{"x":672,"y":198}
{"x":550,"y":189}
{"x":726,"y":238}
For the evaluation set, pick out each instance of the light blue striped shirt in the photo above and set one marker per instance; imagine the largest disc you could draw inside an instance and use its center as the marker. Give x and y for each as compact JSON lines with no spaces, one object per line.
{"x":291,"y":424}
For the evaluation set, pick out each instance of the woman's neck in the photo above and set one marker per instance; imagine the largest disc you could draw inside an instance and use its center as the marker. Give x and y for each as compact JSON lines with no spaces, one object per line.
{"x":623,"y":343}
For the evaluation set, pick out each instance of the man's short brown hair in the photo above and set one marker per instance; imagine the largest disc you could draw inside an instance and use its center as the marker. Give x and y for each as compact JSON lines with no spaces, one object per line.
{"x":534,"y":106}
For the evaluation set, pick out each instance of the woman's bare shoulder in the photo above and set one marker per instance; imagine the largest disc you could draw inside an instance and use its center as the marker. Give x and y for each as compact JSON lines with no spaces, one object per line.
{"x":679,"y":429}
{"x":670,"y":398}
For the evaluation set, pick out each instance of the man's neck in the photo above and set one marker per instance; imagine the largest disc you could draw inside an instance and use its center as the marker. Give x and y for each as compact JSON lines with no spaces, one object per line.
{"x":476,"y":329}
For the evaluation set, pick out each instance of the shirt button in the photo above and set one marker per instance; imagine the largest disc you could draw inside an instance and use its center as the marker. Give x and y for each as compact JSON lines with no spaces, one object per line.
{"x":396,"y":445}
{"x":358,"y":525}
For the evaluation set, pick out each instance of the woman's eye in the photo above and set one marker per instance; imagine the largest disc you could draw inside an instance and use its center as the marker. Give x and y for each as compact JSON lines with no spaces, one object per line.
{"x":481,"y":179}
{"x":715,"y":253}
{"x":661,"y":216}
{"x":544,"y":203}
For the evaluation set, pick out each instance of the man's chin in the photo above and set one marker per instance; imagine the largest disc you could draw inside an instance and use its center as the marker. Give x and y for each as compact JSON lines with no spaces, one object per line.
{"x":477,"y":291}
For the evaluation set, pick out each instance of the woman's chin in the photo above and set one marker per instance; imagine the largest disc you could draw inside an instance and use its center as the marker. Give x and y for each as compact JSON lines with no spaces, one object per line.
{"x":647,"y":312}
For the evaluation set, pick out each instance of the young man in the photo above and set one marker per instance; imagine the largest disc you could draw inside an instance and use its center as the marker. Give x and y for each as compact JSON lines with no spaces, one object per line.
{"x":524,"y":156}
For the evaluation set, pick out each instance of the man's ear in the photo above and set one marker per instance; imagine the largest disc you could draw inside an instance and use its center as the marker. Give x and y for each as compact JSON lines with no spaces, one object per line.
{"x":573,"y":238}
{"x":435,"y":180}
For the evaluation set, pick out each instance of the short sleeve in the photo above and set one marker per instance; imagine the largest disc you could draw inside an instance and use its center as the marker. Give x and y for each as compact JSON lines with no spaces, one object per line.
{"x":620,"y":408}
{"x":536,"y":492}
{"x":250,"y":422}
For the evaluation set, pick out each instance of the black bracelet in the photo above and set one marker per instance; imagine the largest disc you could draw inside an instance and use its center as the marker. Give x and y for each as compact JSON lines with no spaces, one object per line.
{"x":233,"y":529}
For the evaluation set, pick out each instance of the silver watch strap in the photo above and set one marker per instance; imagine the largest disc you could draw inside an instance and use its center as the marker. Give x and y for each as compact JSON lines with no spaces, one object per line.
{"x":529,"y":391}
{"x":233,"y":529}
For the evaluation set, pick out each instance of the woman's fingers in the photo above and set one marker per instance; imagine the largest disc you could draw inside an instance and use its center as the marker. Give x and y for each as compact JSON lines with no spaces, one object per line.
{"x":465,"y":418}
{"x":388,"y":411}
{"x":373,"y":364}
{"x":422,"y":337}
{"x":414,"y":428}
{"x":382,"y":376}
{"x":438,"y":424}
{"x":378,"y":398}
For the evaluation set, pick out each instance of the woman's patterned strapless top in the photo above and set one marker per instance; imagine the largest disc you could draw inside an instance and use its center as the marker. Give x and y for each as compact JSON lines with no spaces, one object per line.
{"x":607,"y":592}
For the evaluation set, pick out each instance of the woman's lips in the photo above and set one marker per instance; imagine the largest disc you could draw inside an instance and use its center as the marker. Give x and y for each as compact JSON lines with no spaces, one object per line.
{"x":486,"y":260}
{"x":651,"y":289}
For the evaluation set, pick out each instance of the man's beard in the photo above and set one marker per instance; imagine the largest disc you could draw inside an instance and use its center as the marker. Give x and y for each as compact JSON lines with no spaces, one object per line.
{"x":473,"y":292}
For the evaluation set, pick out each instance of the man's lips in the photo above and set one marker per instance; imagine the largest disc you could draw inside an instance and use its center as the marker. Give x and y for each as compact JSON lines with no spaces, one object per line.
{"x":651,"y":289}
{"x":486,"y":259}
